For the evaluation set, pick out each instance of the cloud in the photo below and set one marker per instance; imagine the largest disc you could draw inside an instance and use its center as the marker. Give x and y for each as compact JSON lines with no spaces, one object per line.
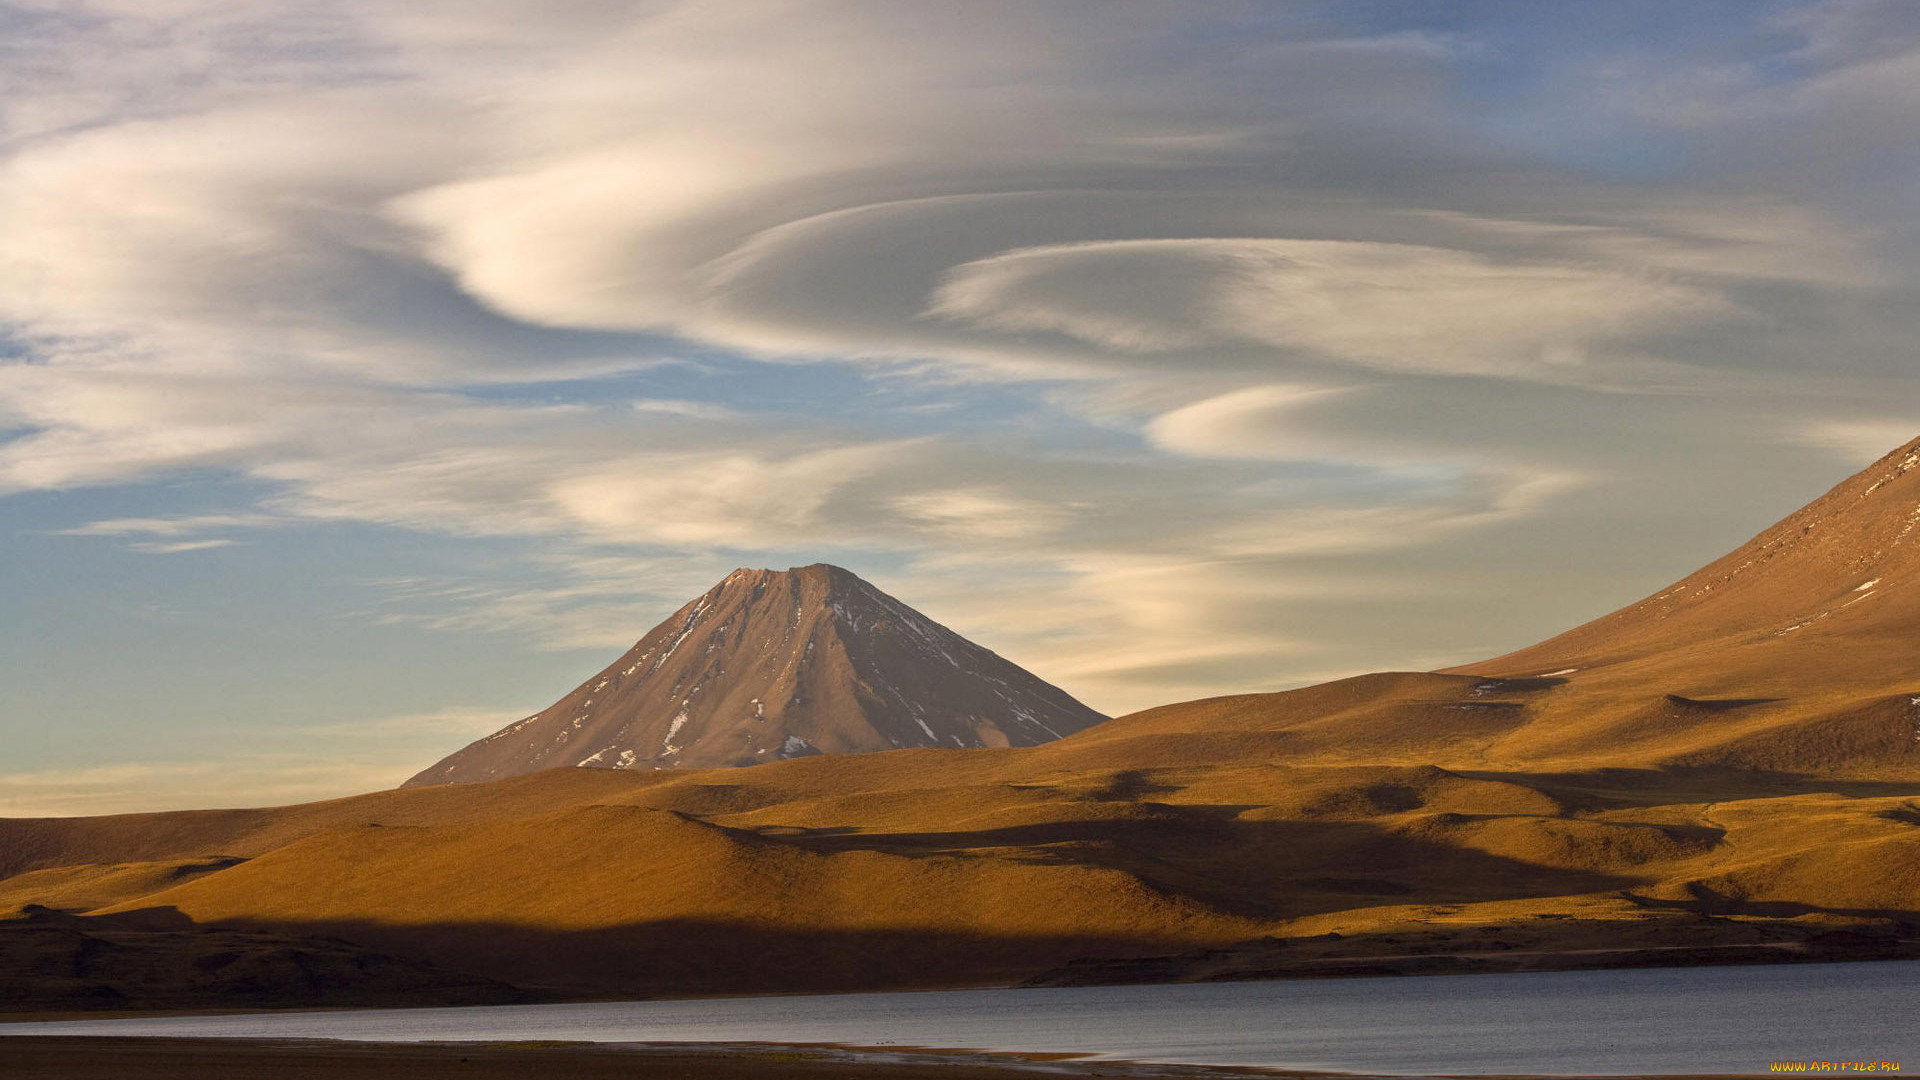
{"x":1811,"y":101}
{"x":74,"y":65}
{"x":1300,"y":423}
{"x":698,"y":410}
{"x":114,"y":421}
{"x":178,"y":526}
{"x":1393,"y":306}
{"x":1247,"y":423}
{"x":178,"y":533}
{"x":244,"y":242}
{"x":732,"y":500}
{"x":256,"y":780}
{"x":180,"y":546}
{"x":983,"y":513}
{"x":610,"y":164}
{"x":600,"y":240}
{"x":1722,"y":242}
{"x":451,"y":720}
{"x":1859,"y":442}
{"x":335,"y":758}
{"x":1129,"y":629}
{"x":565,"y":600}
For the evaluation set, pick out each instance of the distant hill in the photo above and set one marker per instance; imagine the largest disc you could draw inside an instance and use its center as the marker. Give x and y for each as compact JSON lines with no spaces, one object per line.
{"x":769,"y":665}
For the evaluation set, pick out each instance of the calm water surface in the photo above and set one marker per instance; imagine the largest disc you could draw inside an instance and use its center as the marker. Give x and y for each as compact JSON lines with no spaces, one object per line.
{"x":1675,"y":1020}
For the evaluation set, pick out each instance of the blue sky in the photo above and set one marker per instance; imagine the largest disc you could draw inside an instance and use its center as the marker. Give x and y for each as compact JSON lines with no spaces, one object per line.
{"x":371,"y":373}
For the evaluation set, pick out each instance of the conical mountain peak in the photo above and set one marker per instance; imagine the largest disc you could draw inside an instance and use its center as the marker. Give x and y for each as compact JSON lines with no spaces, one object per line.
{"x":773,"y":664}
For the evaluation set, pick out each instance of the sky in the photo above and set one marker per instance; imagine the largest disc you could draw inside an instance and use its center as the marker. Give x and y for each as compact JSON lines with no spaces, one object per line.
{"x":372,"y":373}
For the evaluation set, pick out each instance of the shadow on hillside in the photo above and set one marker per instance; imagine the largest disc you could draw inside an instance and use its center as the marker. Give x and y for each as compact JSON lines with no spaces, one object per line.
{"x":1547,"y":943}
{"x":1255,"y":869}
{"x":694,"y":957}
{"x":1707,"y":901}
{"x":1518,"y":684}
{"x":1714,"y":705}
{"x":1905,"y":815}
{"x":1262,"y":870}
{"x":158,"y":959}
{"x":1599,"y":789}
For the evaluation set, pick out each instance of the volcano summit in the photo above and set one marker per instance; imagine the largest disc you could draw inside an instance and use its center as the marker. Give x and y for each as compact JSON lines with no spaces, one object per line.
{"x":769,"y":665}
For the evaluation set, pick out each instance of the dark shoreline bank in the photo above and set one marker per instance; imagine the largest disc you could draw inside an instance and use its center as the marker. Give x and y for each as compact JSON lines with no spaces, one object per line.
{"x":1266,"y":960}
{"x":66,"y":1057}
{"x":40,"y":1057}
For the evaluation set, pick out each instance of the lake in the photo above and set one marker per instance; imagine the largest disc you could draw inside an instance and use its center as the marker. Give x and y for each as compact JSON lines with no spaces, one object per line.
{"x":1667,"y":1020}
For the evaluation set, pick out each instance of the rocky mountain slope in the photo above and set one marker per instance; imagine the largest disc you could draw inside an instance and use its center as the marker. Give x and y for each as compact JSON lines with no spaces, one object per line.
{"x":1793,"y":655}
{"x":769,"y":665}
{"x":1844,"y":568}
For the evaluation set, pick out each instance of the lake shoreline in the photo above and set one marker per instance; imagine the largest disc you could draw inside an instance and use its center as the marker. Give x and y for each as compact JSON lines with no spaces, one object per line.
{"x":1255,"y":962}
{"x":1646,"y":1023}
{"x":96,"y":1057}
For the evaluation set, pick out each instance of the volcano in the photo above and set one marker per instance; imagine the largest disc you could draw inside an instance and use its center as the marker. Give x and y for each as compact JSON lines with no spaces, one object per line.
{"x":769,"y":665}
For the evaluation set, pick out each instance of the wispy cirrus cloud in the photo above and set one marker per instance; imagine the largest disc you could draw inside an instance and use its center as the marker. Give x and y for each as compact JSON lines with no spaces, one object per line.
{"x":234,"y":781}
{"x":1393,"y":306}
{"x":1859,"y":441}
{"x":177,"y":535}
{"x":175,"y":526}
{"x":178,"y":547}
{"x":360,"y":754}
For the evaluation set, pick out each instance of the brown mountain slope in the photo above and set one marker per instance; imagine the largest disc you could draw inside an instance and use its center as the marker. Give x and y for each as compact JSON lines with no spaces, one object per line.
{"x":1839,"y":578}
{"x":769,"y":665}
{"x":1794,"y":654}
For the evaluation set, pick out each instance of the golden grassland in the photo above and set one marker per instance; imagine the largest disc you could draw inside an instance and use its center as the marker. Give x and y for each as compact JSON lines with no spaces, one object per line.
{"x":930,"y":867}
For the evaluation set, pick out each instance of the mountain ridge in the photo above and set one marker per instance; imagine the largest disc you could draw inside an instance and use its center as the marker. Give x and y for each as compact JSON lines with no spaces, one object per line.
{"x":1845,"y":549}
{"x":1791,"y":655}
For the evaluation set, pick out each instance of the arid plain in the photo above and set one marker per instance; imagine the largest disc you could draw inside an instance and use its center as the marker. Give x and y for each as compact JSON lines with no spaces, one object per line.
{"x":1727,"y":771}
